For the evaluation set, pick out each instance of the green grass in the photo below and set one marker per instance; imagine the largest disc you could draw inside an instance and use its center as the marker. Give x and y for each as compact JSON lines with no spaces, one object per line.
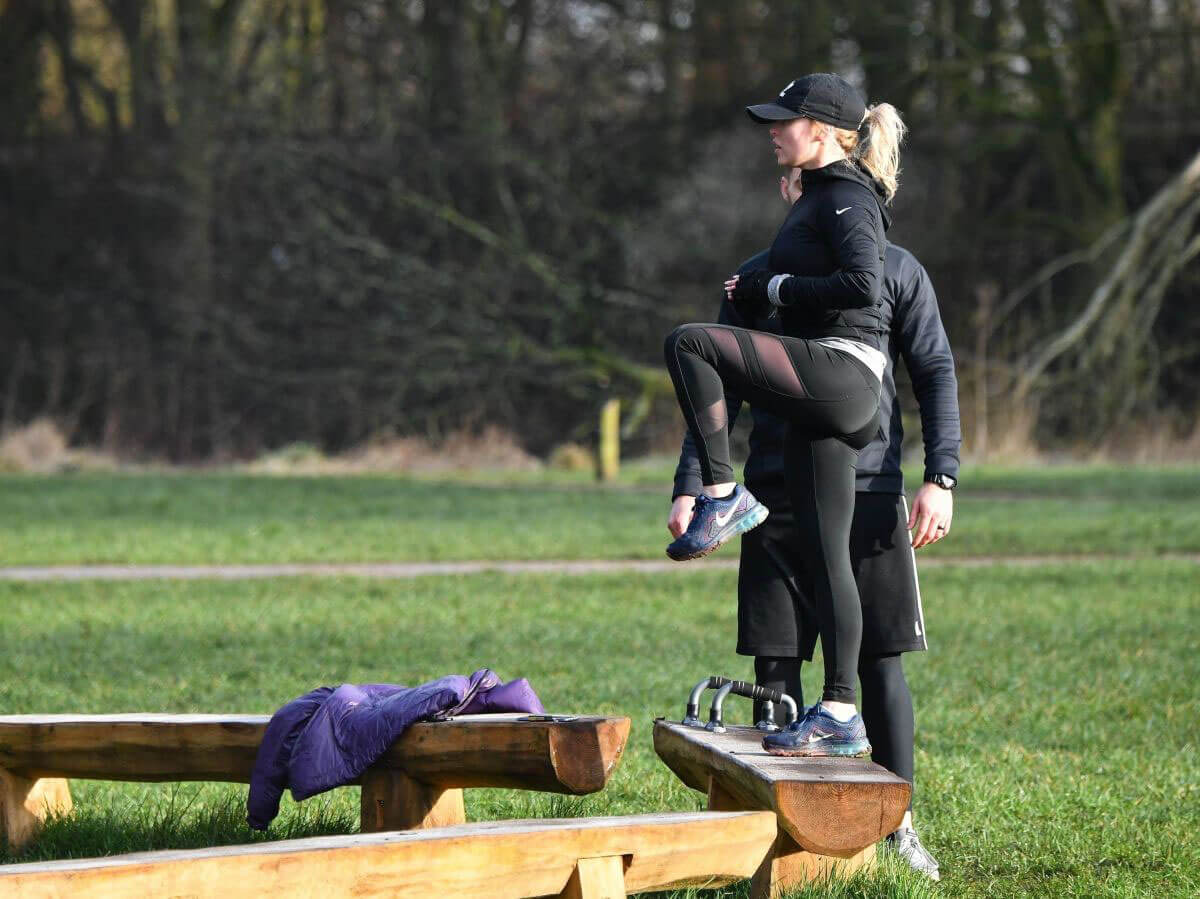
{"x":1058,"y":715}
{"x":209,"y":518}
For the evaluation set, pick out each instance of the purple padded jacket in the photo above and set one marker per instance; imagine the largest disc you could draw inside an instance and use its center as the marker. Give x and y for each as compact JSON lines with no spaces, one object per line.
{"x":328,"y":737}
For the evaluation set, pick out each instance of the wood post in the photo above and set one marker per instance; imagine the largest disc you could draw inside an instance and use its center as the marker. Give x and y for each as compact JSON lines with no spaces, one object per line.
{"x":788,"y":866}
{"x":25,"y":804}
{"x":597,"y":878}
{"x":720,"y":801}
{"x":608,"y":457}
{"x":391,"y":800}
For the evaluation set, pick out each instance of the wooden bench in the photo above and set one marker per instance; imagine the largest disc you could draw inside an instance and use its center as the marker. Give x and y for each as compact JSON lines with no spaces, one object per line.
{"x":418,"y":783}
{"x":831,"y":811}
{"x":587,"y":858}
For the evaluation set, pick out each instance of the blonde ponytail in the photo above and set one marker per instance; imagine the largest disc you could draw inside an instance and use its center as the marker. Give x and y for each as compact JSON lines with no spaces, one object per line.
{"x":879,"y":151}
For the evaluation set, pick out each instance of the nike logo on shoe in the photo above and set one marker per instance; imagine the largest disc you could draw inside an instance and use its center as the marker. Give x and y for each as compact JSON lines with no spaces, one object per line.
{"x":840,"y":211}
{"x":722,"y":520}
{"x":814,"y":737}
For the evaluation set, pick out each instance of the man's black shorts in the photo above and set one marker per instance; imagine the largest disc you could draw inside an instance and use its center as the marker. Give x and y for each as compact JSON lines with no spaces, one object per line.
{"x":776,"y":616}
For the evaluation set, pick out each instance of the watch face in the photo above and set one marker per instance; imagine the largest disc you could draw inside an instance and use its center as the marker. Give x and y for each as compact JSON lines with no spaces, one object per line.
{"x":945,"y":481}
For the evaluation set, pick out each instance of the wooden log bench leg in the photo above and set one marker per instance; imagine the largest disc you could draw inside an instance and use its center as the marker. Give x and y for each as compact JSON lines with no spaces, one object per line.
{"x":391,"y":800}
{"x":26,"y":803}
{"x":597,"y":878}
{"x":788,"y":866}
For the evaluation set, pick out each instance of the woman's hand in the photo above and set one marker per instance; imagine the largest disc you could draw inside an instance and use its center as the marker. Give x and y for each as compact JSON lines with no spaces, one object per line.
{"x":932,"y":511}
{"x":681,"y":515}
{"x":749,"y":291}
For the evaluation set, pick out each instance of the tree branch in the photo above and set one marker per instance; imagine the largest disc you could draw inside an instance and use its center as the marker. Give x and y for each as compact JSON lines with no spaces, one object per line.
{"x":1147,"y":227}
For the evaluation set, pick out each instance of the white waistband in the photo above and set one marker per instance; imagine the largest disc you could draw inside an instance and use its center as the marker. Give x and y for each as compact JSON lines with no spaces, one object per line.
{"x":867,"y":355}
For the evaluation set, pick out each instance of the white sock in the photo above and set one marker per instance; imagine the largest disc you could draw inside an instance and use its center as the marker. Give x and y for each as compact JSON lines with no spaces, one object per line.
{"x":842,"y":711}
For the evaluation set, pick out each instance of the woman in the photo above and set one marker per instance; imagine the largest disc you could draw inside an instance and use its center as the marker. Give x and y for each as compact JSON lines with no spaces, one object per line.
{"x":824,"y":377}
{"x":775,"y":620}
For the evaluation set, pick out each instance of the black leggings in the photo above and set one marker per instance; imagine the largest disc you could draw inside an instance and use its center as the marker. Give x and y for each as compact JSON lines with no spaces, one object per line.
{"x":831,"y":403}
{"x":887,"y":707}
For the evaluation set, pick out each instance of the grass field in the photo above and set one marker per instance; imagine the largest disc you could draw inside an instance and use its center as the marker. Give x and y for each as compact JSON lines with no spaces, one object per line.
{"x":1058,"y":710}
{"x":215,"y":518}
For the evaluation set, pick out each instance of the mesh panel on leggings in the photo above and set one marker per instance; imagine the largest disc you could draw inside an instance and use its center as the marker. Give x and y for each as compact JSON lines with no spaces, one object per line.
{"x":713,"y":418}
{"x":777,"y":364}
{"x":727,"y":346}
{"x":716,"y":417}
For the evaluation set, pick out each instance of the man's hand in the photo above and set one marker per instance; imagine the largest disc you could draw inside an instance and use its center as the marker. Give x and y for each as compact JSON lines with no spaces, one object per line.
{"x":681,"y":514}
{"x":932,"y":511}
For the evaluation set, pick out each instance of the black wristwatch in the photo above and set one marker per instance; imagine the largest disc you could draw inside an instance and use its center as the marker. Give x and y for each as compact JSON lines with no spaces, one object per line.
{"x":945,"y":481}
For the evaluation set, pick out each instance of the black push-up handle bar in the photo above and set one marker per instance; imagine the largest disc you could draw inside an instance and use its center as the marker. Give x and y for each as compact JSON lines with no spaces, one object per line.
{"x":724,"y":686}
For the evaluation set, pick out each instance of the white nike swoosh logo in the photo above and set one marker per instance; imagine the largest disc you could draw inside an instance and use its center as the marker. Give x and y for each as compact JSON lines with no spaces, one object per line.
{"x":840,"y":211}
{"x":813,"y":738}
{"x":721,"y":522}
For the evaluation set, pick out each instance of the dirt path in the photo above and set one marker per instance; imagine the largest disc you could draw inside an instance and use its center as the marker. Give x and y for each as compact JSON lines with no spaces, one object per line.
{"x":402,"y":570}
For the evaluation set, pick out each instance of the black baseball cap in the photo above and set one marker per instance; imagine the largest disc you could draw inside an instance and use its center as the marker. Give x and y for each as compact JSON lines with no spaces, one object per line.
{"x":822,"y":96}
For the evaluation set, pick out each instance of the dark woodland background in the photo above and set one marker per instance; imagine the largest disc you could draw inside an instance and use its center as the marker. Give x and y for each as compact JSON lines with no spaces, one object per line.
{"x":229,"y":226}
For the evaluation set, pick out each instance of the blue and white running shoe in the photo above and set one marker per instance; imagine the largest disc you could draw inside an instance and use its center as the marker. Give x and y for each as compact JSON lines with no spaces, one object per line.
{"x":715,"y":521}
{"x":818,"y":733}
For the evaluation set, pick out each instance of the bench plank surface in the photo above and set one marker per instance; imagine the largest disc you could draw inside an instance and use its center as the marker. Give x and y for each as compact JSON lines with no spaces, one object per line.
{"x":829,"y":806}
{"x":493,"y":859}
{"x":468,"y":751}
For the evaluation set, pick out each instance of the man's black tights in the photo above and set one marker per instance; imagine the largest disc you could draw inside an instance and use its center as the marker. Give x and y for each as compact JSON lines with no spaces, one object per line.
{"x":887,"y":708}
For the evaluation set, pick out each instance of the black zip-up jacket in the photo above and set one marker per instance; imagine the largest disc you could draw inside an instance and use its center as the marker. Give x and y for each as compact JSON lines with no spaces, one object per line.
{"x":832,"y":243}
{"x":909,"y":311}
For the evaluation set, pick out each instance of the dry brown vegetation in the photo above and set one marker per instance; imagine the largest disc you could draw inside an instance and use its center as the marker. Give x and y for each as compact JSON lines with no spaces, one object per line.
{"x":491,"y":448}
{"x":40,"y":447}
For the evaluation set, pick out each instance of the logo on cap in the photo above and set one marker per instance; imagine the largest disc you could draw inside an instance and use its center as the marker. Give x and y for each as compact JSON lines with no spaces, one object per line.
{"x":788,"y":88}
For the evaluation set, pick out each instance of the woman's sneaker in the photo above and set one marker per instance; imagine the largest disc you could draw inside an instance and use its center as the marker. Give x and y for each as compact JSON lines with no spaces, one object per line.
{"x":715,"y":521}
{"x":907,"y":845}
{"x":818,"y":733}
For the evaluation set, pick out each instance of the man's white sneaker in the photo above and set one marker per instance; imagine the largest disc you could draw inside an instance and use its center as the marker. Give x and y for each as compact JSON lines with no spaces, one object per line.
{"x":907,"y":845}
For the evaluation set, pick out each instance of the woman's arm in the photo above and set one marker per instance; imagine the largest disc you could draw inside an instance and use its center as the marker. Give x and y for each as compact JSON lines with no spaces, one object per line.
{"x":849,"y":217}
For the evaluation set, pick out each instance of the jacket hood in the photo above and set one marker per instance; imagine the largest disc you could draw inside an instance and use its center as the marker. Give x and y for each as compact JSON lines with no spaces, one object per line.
{"x":848,"y":170}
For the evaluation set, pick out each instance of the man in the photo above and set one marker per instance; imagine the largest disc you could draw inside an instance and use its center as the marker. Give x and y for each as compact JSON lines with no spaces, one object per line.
{"x":776,"y":621}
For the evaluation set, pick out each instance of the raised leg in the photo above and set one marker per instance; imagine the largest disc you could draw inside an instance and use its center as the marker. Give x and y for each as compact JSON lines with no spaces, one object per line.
{"x":597,"y":878}
{"x":393,"y":801}
{"x":25,"y":804}
{"x":789,"y":866}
